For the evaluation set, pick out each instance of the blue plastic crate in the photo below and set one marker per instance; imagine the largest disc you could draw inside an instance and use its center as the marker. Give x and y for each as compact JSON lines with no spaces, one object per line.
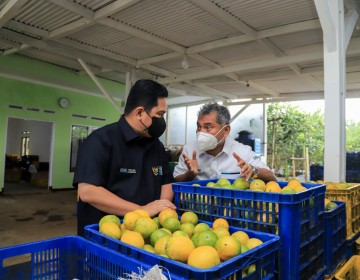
{"x":262,"y":256}
{"x":296,"y":218}
{"x":352,"y":175}
{"x":335,"y":237}
{"x":350,"y":245}
{"x":68,"y":257}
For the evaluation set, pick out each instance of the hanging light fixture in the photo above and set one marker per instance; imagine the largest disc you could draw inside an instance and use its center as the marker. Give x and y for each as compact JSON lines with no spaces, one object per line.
{"x":184,"y":63}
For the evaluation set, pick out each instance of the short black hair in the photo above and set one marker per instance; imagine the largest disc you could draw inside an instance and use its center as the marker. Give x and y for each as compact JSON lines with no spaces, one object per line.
{"x":144,"y":93}
{"x":222,"y":116}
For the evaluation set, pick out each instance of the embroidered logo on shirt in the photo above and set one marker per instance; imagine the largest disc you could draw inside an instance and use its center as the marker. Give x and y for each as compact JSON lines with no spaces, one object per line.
{"x":127,"y":170}
{"x":157,"y":170}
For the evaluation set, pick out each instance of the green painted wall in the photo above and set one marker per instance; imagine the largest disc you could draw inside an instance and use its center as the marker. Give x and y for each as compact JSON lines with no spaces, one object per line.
{"x":30,"y":95}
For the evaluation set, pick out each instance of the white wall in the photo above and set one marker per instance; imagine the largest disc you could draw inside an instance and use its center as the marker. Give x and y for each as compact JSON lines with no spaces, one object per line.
{"x":40,"y":137}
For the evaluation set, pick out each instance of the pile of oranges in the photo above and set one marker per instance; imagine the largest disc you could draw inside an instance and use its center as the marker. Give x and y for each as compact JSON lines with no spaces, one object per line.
{"x":184,"y":239}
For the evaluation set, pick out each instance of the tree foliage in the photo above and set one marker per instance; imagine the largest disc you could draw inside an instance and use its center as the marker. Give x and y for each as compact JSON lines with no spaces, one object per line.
{"x":290,"y":131}
{"x":353,"y":136}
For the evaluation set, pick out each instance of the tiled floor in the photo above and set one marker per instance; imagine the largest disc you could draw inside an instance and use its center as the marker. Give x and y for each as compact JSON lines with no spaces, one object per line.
{"x":31,"y":214}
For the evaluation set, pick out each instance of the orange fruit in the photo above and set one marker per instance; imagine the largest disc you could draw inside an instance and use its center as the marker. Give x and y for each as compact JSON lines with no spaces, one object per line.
{"x":180,"y":233}
{"x":168,"y":231}
{"x":156,"y":235}
{"x":251,"y":268}
{"x":242,"y":236}
{"x":110,"y":229}
{"x":253,"y":242}
{"x":201,"y":227}
{"x":228,"y":247}
{"x":156,"y":220}
{"x":145,"y":226}
{"x":178,"y":248}
{"x":130,"y":219}
{"x":166,"y":213}
{"x":221,"y":231}
{"x":257,"y":184}
{"x":220,"y":222}
{"x":207,"y":237}
{"x":203,"y":257}
{"x":149,"y":248}
{"x":122,"y":227}
{"x":142,"y":212}
{"x":300,"y":189}
{"x":294,"y":183}
{"x":195,"y":239}
{"x":288,"y":190}
{"x":244,"y":248}
{"x":326,"y":202}
{"x":161,"y":244}
{"x":133,"y":238}
{"x":272,"y":186}
{"x":188,"y":228}
{"x":189,"y":217}
{"x":110,"y":218}
{"x":172,"y":224}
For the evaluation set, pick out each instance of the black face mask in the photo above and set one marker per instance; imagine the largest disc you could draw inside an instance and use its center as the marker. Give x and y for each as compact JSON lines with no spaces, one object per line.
{"x":157,"y":127}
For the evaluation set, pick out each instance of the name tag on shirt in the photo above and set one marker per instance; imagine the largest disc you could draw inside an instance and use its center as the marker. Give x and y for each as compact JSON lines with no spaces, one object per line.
{"x":127,"y":171}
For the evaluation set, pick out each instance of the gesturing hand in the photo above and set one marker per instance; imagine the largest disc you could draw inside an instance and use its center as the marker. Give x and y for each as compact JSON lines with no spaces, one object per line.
{"x":191,"y":163}
{"x":246,"y":169}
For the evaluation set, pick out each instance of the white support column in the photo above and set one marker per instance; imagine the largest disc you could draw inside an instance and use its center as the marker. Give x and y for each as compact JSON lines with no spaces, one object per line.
{"x":264,"y":136}
{"x":331,"y":13}
{"x":128,"y":84}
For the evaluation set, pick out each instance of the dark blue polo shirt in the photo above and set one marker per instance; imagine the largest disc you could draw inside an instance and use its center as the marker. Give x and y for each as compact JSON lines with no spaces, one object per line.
{"x":128,"y":165}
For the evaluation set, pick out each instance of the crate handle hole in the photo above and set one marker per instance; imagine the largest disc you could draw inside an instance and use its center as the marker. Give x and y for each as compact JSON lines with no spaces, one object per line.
{"x":19,"y":259}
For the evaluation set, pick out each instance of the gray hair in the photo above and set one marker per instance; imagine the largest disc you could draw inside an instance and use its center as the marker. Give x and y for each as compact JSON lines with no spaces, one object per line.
{"x":223,"y":114}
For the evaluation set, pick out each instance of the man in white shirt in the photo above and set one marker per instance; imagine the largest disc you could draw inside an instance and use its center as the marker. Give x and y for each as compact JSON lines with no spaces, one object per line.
{"x":215,"y":154}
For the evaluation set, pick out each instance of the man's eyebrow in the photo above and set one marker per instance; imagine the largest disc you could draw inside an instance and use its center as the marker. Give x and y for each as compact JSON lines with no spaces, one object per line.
{"x":206,"y":124}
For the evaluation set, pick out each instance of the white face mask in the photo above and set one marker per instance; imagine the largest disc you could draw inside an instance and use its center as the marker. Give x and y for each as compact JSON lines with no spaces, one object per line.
{"x":207,"y":141}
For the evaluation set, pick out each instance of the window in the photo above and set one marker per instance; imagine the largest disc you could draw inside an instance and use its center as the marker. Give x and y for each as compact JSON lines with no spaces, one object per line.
{"x":24,"y":150}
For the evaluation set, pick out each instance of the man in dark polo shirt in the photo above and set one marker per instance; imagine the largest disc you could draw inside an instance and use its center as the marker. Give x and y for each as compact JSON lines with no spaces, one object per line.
{"x":123,"y":166}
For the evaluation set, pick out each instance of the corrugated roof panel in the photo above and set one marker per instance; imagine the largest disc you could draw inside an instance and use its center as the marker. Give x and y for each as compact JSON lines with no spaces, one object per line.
{"x":99,"y":35}
{"x":118,"y":42}
{"x":267,"y":14}
{"x":178,"y":21}
{"x":234,"y":53}
{"x":4,"y":47}
{"x":94,"y":5}
{"x":298,"y":39}
{"x":44,"y":15}
{"x":137,"y":48}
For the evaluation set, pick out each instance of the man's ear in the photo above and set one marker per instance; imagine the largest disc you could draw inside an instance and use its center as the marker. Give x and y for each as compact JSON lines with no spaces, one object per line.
{"x":227,"y":130}
{"x":139,"y":111}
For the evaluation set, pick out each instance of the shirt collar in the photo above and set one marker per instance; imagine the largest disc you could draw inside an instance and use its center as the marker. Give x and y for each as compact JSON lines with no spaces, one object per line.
{"x":227,"y":146}
{"x":129,"y":132}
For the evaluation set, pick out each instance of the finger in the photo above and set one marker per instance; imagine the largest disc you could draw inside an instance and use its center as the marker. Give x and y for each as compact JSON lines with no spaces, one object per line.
{"x":185,"y":156}
{"x":194,"y":155}
{"x":236,"y":156}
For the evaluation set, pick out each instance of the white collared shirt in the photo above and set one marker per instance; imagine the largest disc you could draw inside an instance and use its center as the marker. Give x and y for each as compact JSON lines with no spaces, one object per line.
{"x":211,"y":167}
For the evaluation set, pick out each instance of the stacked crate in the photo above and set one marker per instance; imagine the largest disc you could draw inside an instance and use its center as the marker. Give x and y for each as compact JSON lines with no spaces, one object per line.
{"x":335,"y":239}
{"x":296,"y":218}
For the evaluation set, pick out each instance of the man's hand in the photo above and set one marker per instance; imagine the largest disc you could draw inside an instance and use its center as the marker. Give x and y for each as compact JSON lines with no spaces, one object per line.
{"x":246,"y":169}
{"x":192,"y":164}
{"x":155,"y":207}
